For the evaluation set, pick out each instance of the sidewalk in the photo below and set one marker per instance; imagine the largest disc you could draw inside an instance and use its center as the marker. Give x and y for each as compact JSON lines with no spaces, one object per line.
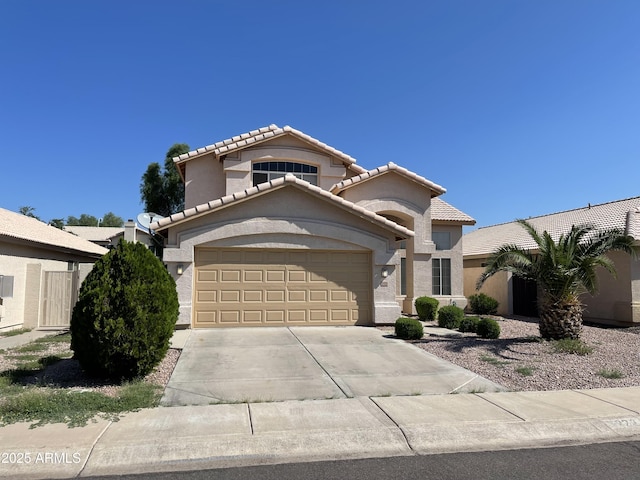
{"x":197,"y":437}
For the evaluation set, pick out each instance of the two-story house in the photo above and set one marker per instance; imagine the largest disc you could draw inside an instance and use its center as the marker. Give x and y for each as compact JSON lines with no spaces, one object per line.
{"x":282,"y":229}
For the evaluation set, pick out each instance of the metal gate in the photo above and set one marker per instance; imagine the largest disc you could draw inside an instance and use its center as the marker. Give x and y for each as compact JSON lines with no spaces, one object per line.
{"x":59,"y":295}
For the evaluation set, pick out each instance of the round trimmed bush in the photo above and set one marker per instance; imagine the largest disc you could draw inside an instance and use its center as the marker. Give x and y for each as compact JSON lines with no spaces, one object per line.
{"x":426,"y":308}
{"x":125,"y":314}
{"x":488,"y":328}
{"x":450,"y":317}
{"x":482,"y":304}
{"x":469,"y":324}
{"x":408,"y":328}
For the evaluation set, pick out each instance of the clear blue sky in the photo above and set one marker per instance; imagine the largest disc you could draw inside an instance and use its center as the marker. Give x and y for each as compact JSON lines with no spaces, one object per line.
{"x":518,"y":108}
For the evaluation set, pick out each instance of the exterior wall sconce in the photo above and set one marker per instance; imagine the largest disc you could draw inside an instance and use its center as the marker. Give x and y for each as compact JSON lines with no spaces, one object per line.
{"x":180,"y":269}
{"x":385,"y":272}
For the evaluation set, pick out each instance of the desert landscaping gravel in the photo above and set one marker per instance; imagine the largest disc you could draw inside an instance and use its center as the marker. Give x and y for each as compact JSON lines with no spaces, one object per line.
{"x":519,"y":360}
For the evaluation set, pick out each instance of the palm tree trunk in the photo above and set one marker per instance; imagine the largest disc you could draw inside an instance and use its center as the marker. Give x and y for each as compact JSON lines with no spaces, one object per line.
{"x":561,"y":320}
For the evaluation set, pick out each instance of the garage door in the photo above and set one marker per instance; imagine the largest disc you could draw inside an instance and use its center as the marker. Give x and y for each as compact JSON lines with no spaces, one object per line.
{"x":254,"y":287}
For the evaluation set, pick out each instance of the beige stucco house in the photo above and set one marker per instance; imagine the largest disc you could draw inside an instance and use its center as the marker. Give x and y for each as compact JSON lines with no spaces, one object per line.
{"x":618,"y":301}
{"x":41,"y":269}
{"x":282,"y":229}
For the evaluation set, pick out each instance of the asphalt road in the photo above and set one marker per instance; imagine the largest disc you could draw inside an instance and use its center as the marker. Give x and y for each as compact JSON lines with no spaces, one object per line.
{"x":613,"y":461}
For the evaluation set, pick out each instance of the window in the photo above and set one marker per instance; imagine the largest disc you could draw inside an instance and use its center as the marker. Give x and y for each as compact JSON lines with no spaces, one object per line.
{"x":442,"y":240}
{"x":6,"y":286}
{"x":441,"y":270}
{"x":403,"y":276}
{"x":267,"y":171}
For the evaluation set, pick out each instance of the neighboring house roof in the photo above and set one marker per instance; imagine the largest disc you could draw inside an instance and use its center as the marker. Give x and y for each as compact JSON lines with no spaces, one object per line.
{"x":17,"y":228}
{"x":255,"y":137}
{"x":622,"y":214}
{"x":94,"y":234}
{"x":389,"y":167}
{"x":260,"y":189}
{"x":441,"y":211}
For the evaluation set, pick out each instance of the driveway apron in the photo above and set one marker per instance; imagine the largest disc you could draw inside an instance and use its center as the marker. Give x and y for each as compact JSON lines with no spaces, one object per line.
{"x":305,"y":363}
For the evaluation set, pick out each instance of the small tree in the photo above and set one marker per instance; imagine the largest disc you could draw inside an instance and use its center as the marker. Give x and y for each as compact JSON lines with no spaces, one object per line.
{"x":125,"y":314}
{"x":162,"y":190}
{"x":564,"y":270}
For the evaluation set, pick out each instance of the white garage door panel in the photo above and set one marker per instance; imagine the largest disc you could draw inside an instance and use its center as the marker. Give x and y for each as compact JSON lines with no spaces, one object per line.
{"x":236,"y":287}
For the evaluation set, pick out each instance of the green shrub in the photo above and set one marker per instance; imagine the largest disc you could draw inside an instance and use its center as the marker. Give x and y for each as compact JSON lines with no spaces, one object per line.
{"x":469,"y":324}
{"x":450,"y":317}
{"x":482,"y":304}
{"x":426,"y":307}
{"x":408,"y":328}
{"x":125,"y":314}
{"x":488,"y":328}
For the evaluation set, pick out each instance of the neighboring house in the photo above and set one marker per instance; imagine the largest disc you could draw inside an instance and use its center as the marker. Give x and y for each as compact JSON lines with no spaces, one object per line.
{"x":109,"y":237}
{"x":281,"y":229}
{"x":41,"y":269}
{"x":618,"y":301}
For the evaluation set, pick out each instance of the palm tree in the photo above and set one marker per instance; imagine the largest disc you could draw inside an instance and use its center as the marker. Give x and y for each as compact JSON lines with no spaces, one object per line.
{"x":563,"y":270}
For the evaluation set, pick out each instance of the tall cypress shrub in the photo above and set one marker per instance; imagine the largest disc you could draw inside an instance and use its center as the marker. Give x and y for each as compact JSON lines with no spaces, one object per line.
{"x":125,"y":314}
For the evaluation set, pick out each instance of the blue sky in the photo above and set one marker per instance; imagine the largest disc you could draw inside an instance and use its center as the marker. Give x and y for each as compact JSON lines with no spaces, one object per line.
{"x":518,"y":108}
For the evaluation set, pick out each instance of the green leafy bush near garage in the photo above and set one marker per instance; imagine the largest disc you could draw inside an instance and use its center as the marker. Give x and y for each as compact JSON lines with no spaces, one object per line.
{"x":469,"y":324}
{"x":409,"y":328}
{"x":426,"y":308}
{"x":482,"y":304}
{"x":488,"y":328}
{"x":125,"y":314}
{"x":450,"y":317}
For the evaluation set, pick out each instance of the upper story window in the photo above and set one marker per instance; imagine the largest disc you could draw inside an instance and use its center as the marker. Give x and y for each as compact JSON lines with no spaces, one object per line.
{"x":266,"y":171}
{"x":442,"y":240}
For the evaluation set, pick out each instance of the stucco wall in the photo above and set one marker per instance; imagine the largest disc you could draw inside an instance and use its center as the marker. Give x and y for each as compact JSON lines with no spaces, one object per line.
{"x":27,"y":266}
{"x":204,"y":180}
{"x":496,"y":287}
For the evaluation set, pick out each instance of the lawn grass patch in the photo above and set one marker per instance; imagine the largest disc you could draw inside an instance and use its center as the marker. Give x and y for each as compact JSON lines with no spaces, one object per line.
{"x":571,"y":345}
{"x":610,"y":373}
{"x":493,"y":360}
{"x":40,"y":404}
{"x":525,"y":371}
{"x":13,"y":333}
{"x":73,"y":407}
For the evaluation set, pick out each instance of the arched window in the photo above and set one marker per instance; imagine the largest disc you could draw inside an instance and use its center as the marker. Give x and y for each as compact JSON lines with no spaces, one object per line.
{"x":266,"y":171}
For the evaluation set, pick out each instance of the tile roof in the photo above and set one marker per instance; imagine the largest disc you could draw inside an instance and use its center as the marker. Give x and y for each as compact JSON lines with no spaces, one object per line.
{"x":94,"y":234}
{"x":16,"y":226}
{"x":389,"y":167}
{"x":443,"y":212}
{"x":260,"y":135}
{"x":288,"y":179}
{"x":623,"y":214}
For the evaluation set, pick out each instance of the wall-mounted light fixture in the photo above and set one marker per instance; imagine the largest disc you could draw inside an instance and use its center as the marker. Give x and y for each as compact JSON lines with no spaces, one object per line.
{"x":180,"y":269}
{"x":385,"y":272}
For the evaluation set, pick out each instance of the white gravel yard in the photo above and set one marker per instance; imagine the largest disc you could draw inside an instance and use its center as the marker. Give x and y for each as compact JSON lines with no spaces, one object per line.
{"x":519,"y":360}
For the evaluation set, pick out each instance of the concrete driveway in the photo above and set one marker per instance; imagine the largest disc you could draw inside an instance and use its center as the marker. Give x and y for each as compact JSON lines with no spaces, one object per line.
{"x":305,"y":363}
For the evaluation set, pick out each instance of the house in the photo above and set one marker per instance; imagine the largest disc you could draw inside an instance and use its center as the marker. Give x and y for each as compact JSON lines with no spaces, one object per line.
{"x":41,"y":269}
{"x":109,"y":237}
{"x":618,"y":300}
{"x":282,"y":229}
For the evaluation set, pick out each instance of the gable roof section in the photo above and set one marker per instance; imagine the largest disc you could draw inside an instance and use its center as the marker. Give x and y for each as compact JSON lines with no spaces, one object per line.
{"x":441,"y":211}
{"x":389,"y":167}
{"x":623,"y":214}
{"x":18,"y":228}
{"x":262,"y":188}
{"x":94,"y":234}
{"x":261,"y":135}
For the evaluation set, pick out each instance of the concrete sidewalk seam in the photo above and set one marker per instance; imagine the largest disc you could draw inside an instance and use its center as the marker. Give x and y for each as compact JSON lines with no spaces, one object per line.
{"x":501,"y":407}
{"x":250,"y":419}
{"x":404,"y":435}
{"x":586,"y":393}
{"x":93,"y":447}
{"x":465,"y":383}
